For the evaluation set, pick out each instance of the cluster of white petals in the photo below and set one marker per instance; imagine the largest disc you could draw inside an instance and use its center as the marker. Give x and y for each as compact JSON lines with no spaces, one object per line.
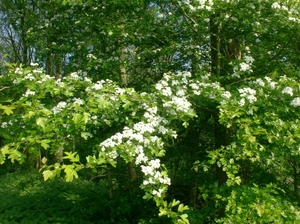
{"x":59,"y":107}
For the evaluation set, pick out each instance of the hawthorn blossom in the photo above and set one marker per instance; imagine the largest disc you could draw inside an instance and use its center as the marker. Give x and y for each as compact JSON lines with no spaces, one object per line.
{"x":78,"y":101}
{"x":244,"y":67}
{"x":167,"y":91}
{"x":248,"y":59}
{"x":59,"y":107}
{"x":155,"y":163}
{"x":242,"y":102}
{"x":148,"y":170}
{"x":275,"y":5}
{"x":259,"y":82}
{"x":4,"y":125}
{"x":288,"y":90}
{"x":157,"y":193}
{"x":226,"y":95}
{"x":296,"y":102}
{"x":28,"y":93}
{"x":29,"y":76}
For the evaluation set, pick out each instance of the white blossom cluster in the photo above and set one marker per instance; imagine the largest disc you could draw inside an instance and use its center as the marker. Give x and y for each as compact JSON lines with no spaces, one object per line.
{"x":243,"y":67}
{"x":78,"y":101}
{"x":5,"y":124}
{"x":296,"y":102}
{"x":28,"y":93}
{"x":29,"y":76}
{"x":288,"y":90}
{"x":247,"y":93}
{"x":59,"y":107}
{"x":143,"y":135}
{"x":259,"y":82}
{"x":271,"y":83}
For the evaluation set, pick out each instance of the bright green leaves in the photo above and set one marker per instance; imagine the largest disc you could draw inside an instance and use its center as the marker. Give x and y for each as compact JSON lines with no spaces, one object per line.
{"x":73,"y":157}
{"x":80,"y":119}
{"x":48,"y":174}
{"x":174,"y":203}
{"x":8,"y":110}
{"x":182,"y":208}
{"x":41,"y":121}
{"x":71,"y":173}
{"x":13,"y":153}
{"x":69,"y":170}
{"x":261,"y":203}
{"x":165,"y":210}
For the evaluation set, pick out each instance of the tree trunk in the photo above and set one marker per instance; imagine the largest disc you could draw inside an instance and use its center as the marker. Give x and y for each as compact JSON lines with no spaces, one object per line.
{"x":215,"y":45}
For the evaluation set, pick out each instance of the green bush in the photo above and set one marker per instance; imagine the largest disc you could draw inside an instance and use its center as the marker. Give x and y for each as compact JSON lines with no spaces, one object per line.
{"x":27,"y":198}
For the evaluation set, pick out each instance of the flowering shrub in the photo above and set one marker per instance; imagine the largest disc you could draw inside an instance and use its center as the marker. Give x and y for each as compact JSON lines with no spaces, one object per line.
{"x":41,"y":113}
{"x":52,"y":112}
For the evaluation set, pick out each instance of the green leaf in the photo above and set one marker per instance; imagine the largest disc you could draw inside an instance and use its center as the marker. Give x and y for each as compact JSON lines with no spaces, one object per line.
{"x":44,"y":143}
{"x":8,"y":109}
{"x":73,"y":157}
{"x":70,"y":173}
{"x":85,"y":135}
{"x":162,"y":212}
{"x":181,"y":208}
{"x":15,"y":155}
{"x":184,"y":218}
{"x":47,"y":174}
{"x":41,"y":122}
{"x":5,"y":150}
{"x":174,"y":203}
{"x":2,"y":158}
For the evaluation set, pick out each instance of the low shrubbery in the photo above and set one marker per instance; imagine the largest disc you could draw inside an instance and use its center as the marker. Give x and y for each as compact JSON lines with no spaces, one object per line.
{"x":27,"y":198}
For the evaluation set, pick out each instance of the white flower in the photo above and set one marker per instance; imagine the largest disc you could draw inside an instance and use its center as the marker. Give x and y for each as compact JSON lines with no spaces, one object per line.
{"x":259,"y":82}
{"x":4,"y":125}
{"x":19,"y":71}
{"x":226,"y":95}
{"x":74,"y":75}
{"x":97,"y":86}
{"x":167,"y":91}
{"x":244,"y":66}
{"x":288,"y":90}
{"x":194,"y":86}
{"x":86,"y":79}
{"x":248,"y":59}
{"x":250,"y":111}
{"x":147,"y":170}
{"x":251,"y":98}
{"x":157,"y":193}
{"x":242,"y":102}
{"x":141,"y":158}
{"x":91,"y":56}
{"x":296,"y":102}
{"x":60,"y":106}
{"x":28,"y":93}
{"x":162,"y":129}
{"x":120,"y":91}
{"x":180,"y":93}
{"x":175,"y":82}
{"x":158,"y":86}
{"x":29,"y":76}
{"x":275,"y":5}
{"x":78,"y":101}
{"x":155,"y":163}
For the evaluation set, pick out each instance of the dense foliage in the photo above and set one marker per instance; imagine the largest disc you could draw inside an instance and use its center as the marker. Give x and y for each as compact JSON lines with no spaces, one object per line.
{"x":175,"y":111}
